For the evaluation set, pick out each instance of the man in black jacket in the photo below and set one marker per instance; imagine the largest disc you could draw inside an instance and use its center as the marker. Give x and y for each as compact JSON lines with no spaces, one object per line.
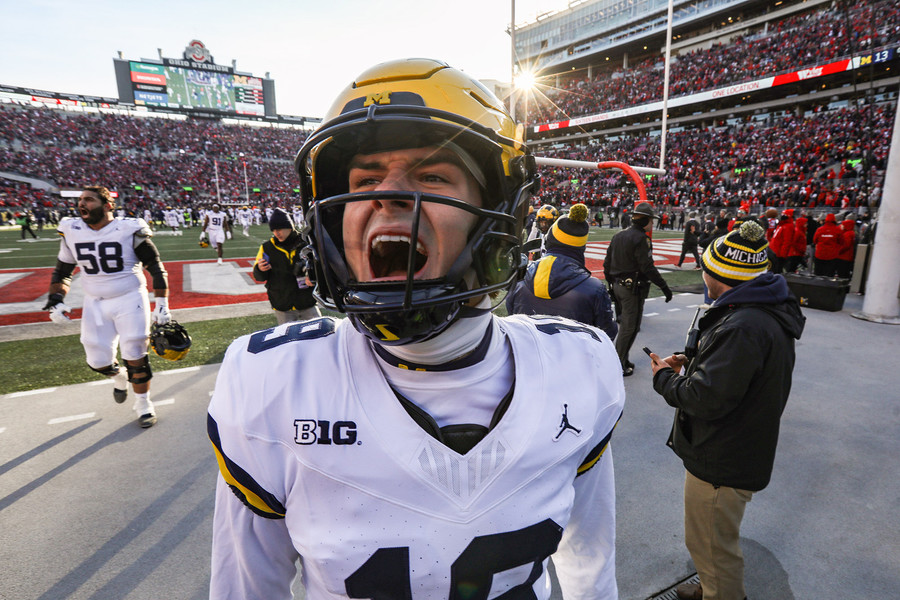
{"x":729,"y":401}
{"x":628,"y":269}
{"x":278,"y":265}
{"x":559,"y":284}
{"x":691,"y":240}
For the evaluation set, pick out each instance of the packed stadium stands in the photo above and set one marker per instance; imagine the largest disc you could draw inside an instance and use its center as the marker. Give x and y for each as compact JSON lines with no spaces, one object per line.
{"x":792,"y":151}
{"x":812,"y":38}
{"x":161,"y":157}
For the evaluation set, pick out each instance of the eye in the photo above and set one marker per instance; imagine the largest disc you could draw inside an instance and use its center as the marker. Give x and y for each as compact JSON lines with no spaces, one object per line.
{"x":361,"y":181}
{"x":434,"y":178}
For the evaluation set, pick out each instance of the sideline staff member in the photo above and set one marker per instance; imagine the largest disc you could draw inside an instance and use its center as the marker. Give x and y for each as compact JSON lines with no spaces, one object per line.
{"x":729,"y":403}
{"x":277,"y":264}
{"x":628,"y":269}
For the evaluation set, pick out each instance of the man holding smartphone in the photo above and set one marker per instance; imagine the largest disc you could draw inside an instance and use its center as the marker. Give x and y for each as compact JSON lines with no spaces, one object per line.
{"x":279,"y":266}
{"x":729,"y":403}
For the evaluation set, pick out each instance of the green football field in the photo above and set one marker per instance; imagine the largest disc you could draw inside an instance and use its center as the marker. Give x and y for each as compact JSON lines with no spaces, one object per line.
{"x":54,"y":361}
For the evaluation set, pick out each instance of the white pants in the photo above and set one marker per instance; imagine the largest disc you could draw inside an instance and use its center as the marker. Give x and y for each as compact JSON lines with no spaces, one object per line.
{"x":216,"y":237}
{"x":110,"y":322}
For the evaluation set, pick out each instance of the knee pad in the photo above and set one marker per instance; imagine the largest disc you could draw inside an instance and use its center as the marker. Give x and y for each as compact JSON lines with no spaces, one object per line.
{"x":141,"y":373}
{"x":109,"y":370}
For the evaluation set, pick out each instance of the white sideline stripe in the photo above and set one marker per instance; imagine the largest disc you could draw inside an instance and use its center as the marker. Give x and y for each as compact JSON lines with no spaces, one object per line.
{"x":174,"y":371}
{"x":32,"y":392}
{"x":651,"y":314}
{"x":164,"y":402}
{"x":59,"y":420}
{"x":101,"y":382}
{"x":674,"y":309}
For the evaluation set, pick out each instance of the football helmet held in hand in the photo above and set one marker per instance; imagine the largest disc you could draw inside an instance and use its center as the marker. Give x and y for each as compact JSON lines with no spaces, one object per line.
{"x":57,"y":308}
{"x":170,"y":341}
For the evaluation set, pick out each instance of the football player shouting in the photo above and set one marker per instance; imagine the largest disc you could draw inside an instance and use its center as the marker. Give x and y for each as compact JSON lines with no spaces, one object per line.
{"x":421,"y":448}
{"x":112,"y":254}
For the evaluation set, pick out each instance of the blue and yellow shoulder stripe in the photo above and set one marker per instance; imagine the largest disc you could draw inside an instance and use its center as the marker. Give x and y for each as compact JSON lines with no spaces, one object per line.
{"x":594,"y":456}
{"x":253,"y":495}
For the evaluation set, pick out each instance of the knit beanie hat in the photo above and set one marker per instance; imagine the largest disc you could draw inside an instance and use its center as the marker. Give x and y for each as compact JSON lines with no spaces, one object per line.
{"x":739,"y":256}
{"x":570,"y":230}
{"x":569,"y":234}
{"x":280,"y":220}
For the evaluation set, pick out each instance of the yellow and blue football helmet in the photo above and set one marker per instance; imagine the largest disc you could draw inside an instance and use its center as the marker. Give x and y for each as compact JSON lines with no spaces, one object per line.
{"x":170,"y":341}
{"x":406,"y":104}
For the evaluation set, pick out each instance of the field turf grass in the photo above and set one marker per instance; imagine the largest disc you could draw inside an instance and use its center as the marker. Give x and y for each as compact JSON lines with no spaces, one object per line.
{"x":50,"y":362}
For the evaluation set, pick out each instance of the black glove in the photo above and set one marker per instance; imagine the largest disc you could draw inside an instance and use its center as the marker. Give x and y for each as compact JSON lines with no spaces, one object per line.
{"x":668,"y":293}
{"x":53,"y":300}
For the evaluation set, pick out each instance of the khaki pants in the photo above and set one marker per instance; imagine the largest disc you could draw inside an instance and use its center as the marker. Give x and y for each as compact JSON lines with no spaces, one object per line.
{"x":712,"y":528}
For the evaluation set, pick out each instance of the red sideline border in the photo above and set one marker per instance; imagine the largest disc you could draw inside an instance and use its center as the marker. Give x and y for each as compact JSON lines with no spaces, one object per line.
{"x":34,"y":286}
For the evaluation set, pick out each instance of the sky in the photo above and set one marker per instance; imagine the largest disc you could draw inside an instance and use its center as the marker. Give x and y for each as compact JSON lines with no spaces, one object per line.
{"x":311,"y":48}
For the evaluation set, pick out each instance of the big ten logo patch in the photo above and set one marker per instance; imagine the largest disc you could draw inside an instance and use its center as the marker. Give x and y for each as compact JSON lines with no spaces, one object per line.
{"x":308,"y":431}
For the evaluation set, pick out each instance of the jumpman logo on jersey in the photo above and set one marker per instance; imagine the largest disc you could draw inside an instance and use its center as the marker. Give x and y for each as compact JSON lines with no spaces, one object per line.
{"x":564,"y":424}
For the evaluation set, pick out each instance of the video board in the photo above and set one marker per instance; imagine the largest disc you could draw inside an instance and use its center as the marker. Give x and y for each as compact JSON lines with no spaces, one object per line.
{"x":173,"y":86}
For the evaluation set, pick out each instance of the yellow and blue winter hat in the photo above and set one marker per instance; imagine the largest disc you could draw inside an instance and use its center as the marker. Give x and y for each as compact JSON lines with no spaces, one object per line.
{"x":738,"y":256}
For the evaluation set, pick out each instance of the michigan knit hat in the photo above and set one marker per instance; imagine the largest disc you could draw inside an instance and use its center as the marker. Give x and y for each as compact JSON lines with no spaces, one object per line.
{"x":570,"y":230}
{"x":738,"y":256}
{"x":280,"y":220}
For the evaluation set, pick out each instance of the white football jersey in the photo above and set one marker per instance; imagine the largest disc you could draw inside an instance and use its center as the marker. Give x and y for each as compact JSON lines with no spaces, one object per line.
{"x":109,"y":266}
{"x":171,"y":217}
{"x":332,"y":469}
{"x":216,"y":221}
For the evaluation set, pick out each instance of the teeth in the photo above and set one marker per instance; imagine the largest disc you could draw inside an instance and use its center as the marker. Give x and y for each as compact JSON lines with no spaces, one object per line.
{"x":381,"y":239}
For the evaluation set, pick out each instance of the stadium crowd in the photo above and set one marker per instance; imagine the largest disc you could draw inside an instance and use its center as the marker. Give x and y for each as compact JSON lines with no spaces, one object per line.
{"x":149,"y":161}
{"x":794,"y":161}
{"x":828,"y":159}
{"x":813,"y":38}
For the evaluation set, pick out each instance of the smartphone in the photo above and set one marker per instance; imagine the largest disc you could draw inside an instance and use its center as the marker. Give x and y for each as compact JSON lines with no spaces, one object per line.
{"x":265,"y":257}
{"x":647,"y":350}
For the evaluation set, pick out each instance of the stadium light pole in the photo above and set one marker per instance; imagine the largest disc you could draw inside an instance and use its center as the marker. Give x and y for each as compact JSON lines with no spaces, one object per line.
{"x":246,"y":185}
{"x":665,"y":108}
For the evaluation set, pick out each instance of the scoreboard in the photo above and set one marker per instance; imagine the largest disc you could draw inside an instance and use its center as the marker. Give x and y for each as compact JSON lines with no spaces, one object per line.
{"x":193,"y":86}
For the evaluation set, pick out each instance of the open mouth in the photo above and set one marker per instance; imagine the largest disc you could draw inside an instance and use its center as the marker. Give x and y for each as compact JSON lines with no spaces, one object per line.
{"x":389,"y":256}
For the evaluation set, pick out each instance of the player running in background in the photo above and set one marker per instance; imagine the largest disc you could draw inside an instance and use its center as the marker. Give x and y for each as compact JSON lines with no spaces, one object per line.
{"x":244,"y":217}
{"x":170,"y":215}
{"x":422,"y":447}
{"x":112,"y":254}
{"x":217,"y":226}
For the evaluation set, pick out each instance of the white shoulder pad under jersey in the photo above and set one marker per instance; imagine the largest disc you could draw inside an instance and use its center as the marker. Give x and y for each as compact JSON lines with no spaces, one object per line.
{"x":306,"y":429}
{"x":108,"y":263}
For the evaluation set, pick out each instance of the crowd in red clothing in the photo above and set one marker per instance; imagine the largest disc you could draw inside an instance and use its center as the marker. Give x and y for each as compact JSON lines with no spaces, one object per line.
{"x":814,"y":38}
{"x":832,"y":159}
{"x":149,"y":161}
{"x":832,"y":245}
